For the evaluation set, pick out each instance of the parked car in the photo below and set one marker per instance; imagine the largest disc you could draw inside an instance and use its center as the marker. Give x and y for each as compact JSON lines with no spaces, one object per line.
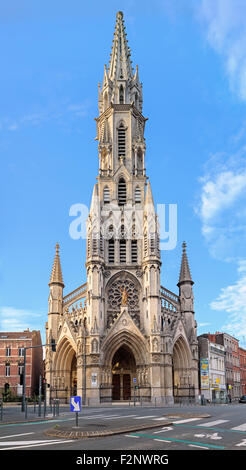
{"x":242,"y":399}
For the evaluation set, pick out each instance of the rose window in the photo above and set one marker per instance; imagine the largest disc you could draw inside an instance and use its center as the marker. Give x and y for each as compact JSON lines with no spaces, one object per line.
{"x":115,"y":294}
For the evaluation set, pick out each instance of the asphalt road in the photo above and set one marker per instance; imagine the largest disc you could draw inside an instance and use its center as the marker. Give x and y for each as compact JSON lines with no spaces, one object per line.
{"x":224,"y":429}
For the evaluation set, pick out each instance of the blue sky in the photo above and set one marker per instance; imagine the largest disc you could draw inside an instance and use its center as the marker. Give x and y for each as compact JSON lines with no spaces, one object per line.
{"x":192,"y":62}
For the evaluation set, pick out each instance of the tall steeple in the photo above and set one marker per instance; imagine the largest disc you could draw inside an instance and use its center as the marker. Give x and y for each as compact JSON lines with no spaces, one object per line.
{"x":185,"y":274}
{"x":120,"y":84}
{"x":120,"y":64}
{"x":56,"y":274}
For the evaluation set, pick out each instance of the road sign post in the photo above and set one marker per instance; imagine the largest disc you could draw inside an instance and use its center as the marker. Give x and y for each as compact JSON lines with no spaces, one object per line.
{"x":75,"y":407}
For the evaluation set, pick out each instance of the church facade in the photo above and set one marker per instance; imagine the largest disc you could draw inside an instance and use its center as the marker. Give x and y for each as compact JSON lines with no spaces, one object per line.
{"x":121,"y":334}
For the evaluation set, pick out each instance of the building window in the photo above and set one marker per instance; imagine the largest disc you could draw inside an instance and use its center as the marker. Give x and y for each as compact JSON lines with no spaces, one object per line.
{"x":134,"y":251}
{"x":21,"y":352}
{"x":137,"y":194}
{"x":7,"y":370}
{"x":106,"y":195}
{"x":111,"y":250}
{"x":122,"y":192}
{"x":145,"y":245}
{"x":121,"y":95}
{"x":122,"y":251}
{"x":8,"y":351}
{"x":152,"y":243}
{"x":121,"y":141}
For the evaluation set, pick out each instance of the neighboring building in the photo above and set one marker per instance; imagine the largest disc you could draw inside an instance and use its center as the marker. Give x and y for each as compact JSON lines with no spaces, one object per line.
{"x":232,"y":363}
{"x":242,"y":360}
{"x":12,"y":346}
{"x":128,"y":330}
{"x":212,"y":369}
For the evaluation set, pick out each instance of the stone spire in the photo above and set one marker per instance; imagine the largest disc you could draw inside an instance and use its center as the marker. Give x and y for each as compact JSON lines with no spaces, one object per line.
{"x":149,"y":196}
{"x":56,"y":274}
{"x":120,"y":67}
{"x":95,"y":203}
{"x":185,"y":275}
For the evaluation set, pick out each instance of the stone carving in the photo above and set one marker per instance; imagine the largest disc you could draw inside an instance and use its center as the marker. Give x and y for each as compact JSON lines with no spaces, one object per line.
{"x":187,"y":299}
{"x":124,"y":299}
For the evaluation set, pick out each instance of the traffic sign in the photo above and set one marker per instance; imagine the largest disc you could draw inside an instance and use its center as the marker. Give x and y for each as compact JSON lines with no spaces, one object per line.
{"x":75,"y":404}
{"x":134,"y":380}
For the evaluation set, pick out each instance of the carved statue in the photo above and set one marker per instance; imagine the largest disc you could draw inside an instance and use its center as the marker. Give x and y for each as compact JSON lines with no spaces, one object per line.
{"x":124,"y":297}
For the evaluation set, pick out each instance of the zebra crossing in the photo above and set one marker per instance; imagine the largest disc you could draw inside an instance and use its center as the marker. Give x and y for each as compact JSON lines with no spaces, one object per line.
{"x":197,"y":421}
{"x":198,"y":433}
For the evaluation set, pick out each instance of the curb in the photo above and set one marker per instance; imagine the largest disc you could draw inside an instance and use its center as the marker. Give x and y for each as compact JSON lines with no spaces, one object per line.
{"x":3,"y":423}
{"x":111,"y":432}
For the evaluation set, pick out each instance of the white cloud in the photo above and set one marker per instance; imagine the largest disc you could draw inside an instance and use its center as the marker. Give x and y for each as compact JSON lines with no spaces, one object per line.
{"x":14,"y":319}
{"x":221,"y":205}
{"x":221,"y":193}
{"x":225,"y":30}
{"x":61,"y":114}
{"x":232,"y":299}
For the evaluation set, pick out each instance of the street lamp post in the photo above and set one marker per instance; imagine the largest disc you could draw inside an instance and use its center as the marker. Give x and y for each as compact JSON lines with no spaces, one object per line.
{"x":53,"y":345}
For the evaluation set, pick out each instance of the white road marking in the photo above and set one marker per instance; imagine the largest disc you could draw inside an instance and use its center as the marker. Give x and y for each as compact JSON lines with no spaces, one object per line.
{"x":143,"y":417}
{"x":120,"y":417}
{"x":199,"y":447}
{"x":242,"y":427}
{"x":188,"y":420}
{"x":162,"y":440}
{"x":209,"y":436}
{"x":99,"y":416}
{"x":16,"y":435}
{"x":168,"y":428}
{"x":129,"y":435}
{"x":41,"y":443}
{"x":213,"y":423}
{"x":242,"y":443}
{"x":10,"y":443}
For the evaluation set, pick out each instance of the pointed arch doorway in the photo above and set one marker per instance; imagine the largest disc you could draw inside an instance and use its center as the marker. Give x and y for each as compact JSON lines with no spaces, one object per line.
{"x":182,"y":386}
{"x":123,"y":372}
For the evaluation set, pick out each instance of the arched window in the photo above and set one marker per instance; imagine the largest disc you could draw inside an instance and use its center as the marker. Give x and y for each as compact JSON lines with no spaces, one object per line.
{"x":106,"y":195}
{"x":121,"y":192}
{"x":121,"y":93}
{"x":139,"y":160}
{"x":121,"y":141}
{"x":137,"y":194}
{"x":136,"y":100}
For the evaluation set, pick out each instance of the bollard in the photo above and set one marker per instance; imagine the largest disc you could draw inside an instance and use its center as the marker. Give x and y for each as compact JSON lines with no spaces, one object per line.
{"x":1,"y":406}
{"x":26,"y":409}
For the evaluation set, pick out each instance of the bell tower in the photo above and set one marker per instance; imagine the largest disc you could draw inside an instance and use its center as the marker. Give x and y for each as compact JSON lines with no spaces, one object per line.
{"x":122,"y":227}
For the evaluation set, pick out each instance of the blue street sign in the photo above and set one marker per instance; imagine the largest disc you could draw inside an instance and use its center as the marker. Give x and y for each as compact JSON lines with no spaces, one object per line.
{"x":134,"y":380}
{"x":75,"y":404}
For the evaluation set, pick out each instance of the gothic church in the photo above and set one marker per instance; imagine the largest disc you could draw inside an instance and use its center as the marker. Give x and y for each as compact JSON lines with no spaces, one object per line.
{"x":121,"y":334}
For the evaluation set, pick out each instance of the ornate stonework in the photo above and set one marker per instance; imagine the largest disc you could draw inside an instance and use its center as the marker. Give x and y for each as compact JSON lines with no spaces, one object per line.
{"x":127,"y":329}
